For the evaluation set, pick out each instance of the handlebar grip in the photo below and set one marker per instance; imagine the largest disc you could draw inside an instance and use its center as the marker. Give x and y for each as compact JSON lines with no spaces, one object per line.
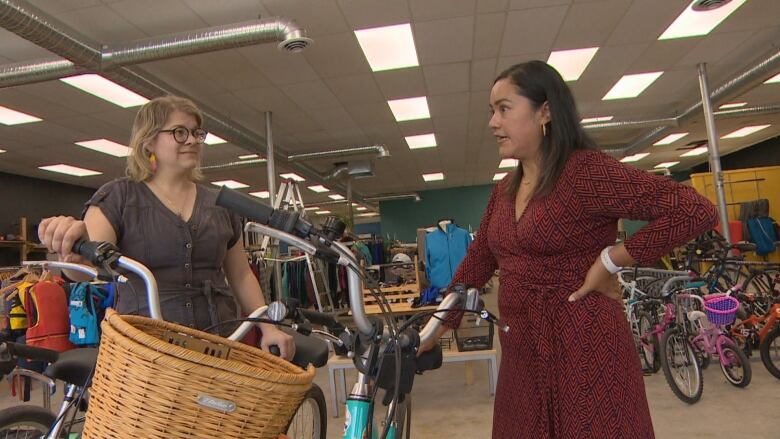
{"x":244,"y":205}
{"x":29,"y":352}
{"x":322,"y":319}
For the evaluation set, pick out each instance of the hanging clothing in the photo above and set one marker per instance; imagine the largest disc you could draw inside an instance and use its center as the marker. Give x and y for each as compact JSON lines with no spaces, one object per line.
{"x":570,"y":369}
{"x":364,"y":253}
{"x":443,"y":253}
{"x":46,"y":305}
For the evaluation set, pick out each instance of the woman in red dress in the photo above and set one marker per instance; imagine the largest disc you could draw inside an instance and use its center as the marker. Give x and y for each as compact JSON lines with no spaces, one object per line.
{"x":569,"y":368}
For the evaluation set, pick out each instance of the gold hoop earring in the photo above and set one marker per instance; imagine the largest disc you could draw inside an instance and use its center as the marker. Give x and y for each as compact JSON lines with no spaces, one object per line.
{"x":544,"y":130}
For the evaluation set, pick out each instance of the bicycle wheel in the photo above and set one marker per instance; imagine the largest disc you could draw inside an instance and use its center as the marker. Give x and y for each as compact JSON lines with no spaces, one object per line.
{"x":763,"y":284}
{"x":25,"y":422}
{"x":770,"y":352}
{"x":681,"y":369}
{"x":311,"y":419}
{"x":650,"y":355}
{"x":737,"y":368}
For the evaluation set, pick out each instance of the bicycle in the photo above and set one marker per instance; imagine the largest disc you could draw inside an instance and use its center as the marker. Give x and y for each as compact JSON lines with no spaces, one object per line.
{"x":760,"y":331}
{"x":695,"y":332}
{"x":75,"y":367}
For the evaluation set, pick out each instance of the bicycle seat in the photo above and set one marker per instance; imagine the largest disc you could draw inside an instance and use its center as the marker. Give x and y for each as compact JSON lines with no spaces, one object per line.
{"x":744,"y":246}
{"x":73,"y":366}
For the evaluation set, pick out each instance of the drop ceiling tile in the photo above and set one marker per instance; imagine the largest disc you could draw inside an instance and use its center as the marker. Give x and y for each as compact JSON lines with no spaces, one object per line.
{"x":311,"y":95}
{"x":532,"y":30}
{"x":484,"y":6}
{"x":483,"y":73}
{"x":449,"y":104}
{"x":219,"y":12}
{"x":590,"y":24}
{"x":317,"y":17}
{"x":349,"y":62}
{"x":355,"y":89}
{"x":529,"y":4}
{"x":174,"y":17}
{"x":281,"y":68}
{"x":446,"y":78}
{"x":489,"y":30}
{"x":644,"y":22}
{"x":444,"y":41}
{"x":402,"y":83}
{"x":362,"y":14}
{"x":425,"y":10}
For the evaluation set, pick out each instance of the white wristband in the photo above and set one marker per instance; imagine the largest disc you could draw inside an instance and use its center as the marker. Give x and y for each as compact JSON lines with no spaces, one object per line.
{"x":607,"y":261}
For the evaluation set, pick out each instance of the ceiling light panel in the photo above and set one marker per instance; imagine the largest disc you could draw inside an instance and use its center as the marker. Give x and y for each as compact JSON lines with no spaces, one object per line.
{"x":499,"y":176}
{"x":101,"y":87}
{"x":336,"y":197}
{"x":631,"y":86}
{"x":671,"y":138}
{"x":323,"y":212}
{"x":213,"y":139}
{"x":508,"y":163}
{"x":410,"y":108}
{"x":319,"y":188}
{"x":292,"y":176}
{"x":635,"y":157}
{"x":745,"y":131}
{"x":773,"y":80}
{"x":421,"y":141}
{"x":666,"y":164}
{"x":231,"y":184}
{"x":106,"y":147}
{"x":13,"y":117}
{"x":312,"y":208}
{"x":571,"y":63}
{"x":248,"y":156}
{"x":388,"y":47}
{"x":696,"y":151}
{"x":597,"y":119}
{"x":361,"y":208}
{"x":436,"y":176}
{"x":732,"y":105}
{"x":70,"y":170}
{"x":261,"y":194}
{"x":691,"y":23}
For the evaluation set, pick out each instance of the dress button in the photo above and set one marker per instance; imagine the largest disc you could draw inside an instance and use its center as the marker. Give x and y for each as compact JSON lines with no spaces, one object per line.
{"x":191,"y":325}
{"x":188,"y":285}
{"x":188,"y":305}
{"x":189,"y":245}
{"x":194,"y":227}
{"x":187,"y":265}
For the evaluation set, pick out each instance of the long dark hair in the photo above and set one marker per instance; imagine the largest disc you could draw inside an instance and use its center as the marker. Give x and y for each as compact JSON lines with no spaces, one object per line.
{"x":540,"y":83}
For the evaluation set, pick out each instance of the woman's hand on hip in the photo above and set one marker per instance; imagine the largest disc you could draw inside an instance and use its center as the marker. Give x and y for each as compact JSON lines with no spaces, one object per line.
{"x":273,"y":336}
{"x":599,"y":280}
{"x":59,"y":233}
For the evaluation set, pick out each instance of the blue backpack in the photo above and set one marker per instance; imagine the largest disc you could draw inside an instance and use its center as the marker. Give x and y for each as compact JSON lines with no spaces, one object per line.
{"x":83,"y":313}
{"x":762,"y":232}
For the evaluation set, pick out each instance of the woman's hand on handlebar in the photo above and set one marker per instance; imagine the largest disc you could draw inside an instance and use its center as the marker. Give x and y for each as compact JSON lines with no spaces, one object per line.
{"x":273,"y":336}
{"x":59,"y":233}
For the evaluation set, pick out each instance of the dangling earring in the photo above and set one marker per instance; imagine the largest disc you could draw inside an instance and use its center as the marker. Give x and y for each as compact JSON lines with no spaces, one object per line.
{"x":544,"y":130}
{"x":153,"y":162}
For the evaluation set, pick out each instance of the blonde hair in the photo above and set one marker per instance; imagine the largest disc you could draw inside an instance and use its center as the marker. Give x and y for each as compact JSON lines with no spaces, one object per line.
{"x":149,"y":120}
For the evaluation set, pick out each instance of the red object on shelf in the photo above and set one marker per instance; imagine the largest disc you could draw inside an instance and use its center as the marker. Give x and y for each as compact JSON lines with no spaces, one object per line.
{"x":735,"y":227}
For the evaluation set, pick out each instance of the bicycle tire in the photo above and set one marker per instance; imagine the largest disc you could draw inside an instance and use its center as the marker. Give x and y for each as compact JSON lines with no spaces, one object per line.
{"x":652,"y":359}
{"x":738,"y":354}
{"x":311,"y":417}
{"x":674,"y":334}
{"x":766,"y":357}
{"x":36,"y":421}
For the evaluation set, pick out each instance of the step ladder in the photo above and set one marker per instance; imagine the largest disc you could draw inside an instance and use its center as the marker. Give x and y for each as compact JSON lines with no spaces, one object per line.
{"x":289,"y":198}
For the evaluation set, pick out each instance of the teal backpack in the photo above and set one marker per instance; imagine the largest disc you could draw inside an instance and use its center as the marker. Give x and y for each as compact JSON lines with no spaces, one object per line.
{"x":84,"y":314}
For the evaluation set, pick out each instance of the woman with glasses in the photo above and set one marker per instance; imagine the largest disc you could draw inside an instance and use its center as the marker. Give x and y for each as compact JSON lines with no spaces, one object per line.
{"x":162,"y":217}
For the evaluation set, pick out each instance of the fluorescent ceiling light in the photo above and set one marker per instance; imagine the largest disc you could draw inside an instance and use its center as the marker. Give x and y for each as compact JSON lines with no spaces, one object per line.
{"x":106,"y":147}
{"x":101,"y":87}
{"x":213,"y":139}
{"x":745,"y":131}
{"x":436,"y":176}
{"x":571,"y":63}
{"x":421,"y":141}
{"x":13,"y":117}
{"x":635,"y":157}
{"x":388,"y":47}
{"x":499,"y":176}
{"x":292,"y":176}
{"x":232,"y":184}
{"x":2,"y":151}
{"x":323,"y":212}
{"x":696,"y":23}
{"x":773,"y":80}
{"x":666,"y":164}
{"x":671,"y":138}
{"x":248,"y":156}
{"x":696,"y":151}
{"x":409,"y":108}
{"x":361,"y":208}
{"x":732,"y":105}
{"x":70,"y":170}
{"x":319,"y":188}
{"x":508,"y":163}
{"x":597,"y":119}
{"x":631,"y":86}
{"x":261,"y":194}
{"x":368,"y":214}
{"x":312,"y":208}
{"x":336,"y":197}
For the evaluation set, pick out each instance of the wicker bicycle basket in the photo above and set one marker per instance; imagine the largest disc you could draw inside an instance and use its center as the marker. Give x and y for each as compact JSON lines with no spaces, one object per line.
{"x":156,"y":379}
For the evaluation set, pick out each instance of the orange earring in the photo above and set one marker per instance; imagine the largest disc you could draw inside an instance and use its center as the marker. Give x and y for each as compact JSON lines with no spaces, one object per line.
{"x":153,"y":162}
{"x":544,"y":130}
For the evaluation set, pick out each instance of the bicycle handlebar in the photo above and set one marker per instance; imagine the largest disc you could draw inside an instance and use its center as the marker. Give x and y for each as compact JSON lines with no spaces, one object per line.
{"x":10,"y":350}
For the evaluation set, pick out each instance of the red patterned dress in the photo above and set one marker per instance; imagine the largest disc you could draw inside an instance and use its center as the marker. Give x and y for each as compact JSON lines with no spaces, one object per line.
{"x":570,"y":370}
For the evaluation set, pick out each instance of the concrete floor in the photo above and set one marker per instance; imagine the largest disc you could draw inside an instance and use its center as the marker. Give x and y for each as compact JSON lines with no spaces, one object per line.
{"x":445,"y":407}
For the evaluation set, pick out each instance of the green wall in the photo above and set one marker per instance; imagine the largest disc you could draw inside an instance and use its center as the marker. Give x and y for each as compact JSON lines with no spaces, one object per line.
{"x":401,"y":218}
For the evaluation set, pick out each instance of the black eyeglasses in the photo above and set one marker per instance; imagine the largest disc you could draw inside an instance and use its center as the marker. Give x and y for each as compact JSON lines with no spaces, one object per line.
{"x":181,"y":134}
